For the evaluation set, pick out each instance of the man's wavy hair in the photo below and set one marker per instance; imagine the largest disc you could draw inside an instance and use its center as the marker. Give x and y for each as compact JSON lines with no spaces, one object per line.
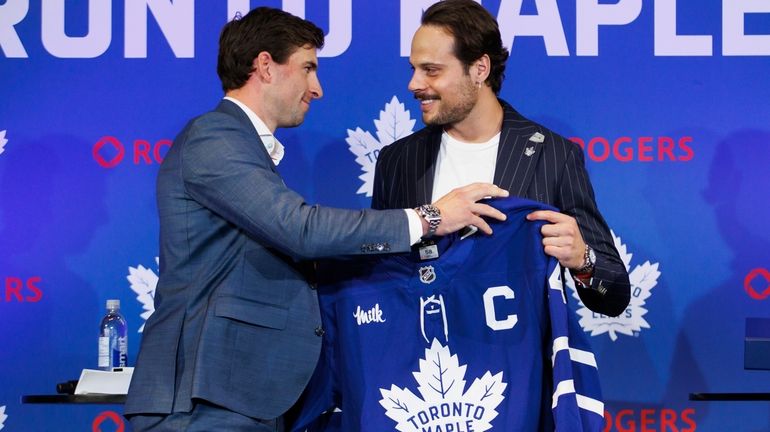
{"x":475,"y":33}
{"x":263,"y":29}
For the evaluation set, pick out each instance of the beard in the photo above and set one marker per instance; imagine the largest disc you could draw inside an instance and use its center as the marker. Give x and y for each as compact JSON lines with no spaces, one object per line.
{"x":455,"y":110}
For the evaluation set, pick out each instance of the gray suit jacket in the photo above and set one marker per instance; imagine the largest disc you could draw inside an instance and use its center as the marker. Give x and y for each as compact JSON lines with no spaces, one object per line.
{"x":236,"y":319}
{"x":551,"y":171}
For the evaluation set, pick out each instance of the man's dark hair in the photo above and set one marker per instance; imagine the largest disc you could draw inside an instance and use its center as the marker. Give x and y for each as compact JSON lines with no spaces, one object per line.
{"x":475,"y":33}
{"x":263,"y":29}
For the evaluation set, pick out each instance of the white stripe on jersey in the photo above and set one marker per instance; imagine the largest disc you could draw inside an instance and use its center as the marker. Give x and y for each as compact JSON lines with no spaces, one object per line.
{"x":576,"y":355}
{"x":589,"y":404}
{"x":568,"y":387}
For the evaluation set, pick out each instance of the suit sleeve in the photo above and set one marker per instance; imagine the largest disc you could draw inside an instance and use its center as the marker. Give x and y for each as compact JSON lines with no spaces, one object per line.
{"x":610,"y":289}
{"x":226,"y":169}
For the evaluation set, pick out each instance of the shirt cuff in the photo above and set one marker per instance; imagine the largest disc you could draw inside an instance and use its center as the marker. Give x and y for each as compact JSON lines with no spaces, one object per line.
{"x":415,"y":226}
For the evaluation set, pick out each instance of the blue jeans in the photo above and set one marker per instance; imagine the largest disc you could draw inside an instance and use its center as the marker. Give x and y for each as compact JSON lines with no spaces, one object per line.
{"x":204,"y":417}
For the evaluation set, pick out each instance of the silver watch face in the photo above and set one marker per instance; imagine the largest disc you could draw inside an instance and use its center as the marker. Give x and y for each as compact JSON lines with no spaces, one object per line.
{"x":591,"y":256}
{"x":430,"y":213}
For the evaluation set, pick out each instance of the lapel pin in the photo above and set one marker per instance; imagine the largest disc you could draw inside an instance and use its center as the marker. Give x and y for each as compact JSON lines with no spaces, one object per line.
{"x":529,"y":151}
{"x":537,"y":137}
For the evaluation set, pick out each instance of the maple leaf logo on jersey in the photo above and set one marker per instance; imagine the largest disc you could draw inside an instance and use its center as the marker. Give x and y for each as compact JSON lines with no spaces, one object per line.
{"x":643,"y":279}
{"x":3,"y":416}
{"x":143,"y":282}
{"x":394,"y":123}
{"x":3,"y":142}
{"x":443,"y":405}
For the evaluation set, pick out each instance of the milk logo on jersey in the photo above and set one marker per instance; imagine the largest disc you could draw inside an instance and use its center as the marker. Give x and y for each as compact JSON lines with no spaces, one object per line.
{"x":427,"y":274}
{"x":444,"y":405}
{"x":143,"y":282}
{"x":3,"y":141}
{"x":643,"y":279}
{"x":373,"y":315}
{"x":3,"y":417}
{"x":394,"y":123}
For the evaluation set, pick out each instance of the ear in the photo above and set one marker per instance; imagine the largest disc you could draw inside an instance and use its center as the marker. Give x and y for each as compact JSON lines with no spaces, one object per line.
{"x":481,"y":69}
{"x":263,"y":66}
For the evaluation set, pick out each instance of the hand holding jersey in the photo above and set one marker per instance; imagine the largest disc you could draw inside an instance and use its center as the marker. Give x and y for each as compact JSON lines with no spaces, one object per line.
{"x":561,"y":237}
{"x":460,"y":209}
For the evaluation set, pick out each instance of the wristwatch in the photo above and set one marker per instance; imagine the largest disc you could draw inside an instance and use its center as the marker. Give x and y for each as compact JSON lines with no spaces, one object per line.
{"x":432,"y":215}
{"x":589,"y":261}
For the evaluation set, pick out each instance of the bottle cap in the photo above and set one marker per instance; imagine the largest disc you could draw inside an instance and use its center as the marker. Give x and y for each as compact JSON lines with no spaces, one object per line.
{"x":113,"y":304}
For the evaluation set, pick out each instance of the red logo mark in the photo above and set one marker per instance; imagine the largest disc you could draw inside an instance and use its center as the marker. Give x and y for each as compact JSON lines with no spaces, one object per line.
{"x":14,"y":286}
{"x":143,"y":151}
{"x":100,"y":159}
{"x":747,"y":284}
{"x":108,"y":415}
{"x":650,"y":420}
{"x":642,"y":149}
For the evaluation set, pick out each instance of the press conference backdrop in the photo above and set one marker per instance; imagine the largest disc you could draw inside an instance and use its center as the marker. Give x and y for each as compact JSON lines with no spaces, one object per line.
{"x":669,"y":99}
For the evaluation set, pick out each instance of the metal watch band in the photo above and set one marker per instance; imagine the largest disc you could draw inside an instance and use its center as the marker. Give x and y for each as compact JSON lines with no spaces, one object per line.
{"x":589,"y":260}
{"x":432,"y":215}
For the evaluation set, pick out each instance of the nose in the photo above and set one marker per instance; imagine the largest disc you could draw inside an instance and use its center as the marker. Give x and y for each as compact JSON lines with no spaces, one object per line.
{"x":416,"y":83}
{"x":315,"y":87}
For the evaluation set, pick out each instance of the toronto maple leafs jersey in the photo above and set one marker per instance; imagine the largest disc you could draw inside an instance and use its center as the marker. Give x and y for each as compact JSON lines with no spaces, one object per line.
{"x":475,"y":336}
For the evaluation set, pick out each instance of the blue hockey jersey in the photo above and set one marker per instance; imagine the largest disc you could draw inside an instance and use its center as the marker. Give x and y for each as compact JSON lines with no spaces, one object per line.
{"x":474,"y":336}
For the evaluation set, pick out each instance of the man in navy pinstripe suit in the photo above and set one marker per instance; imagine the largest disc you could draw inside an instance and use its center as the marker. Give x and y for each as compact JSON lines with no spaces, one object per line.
{"x":459,"y":62}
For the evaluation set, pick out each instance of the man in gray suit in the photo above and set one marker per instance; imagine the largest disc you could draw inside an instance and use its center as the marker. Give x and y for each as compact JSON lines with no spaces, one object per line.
{"x":236,"y":330}
{"x":471,"y":135}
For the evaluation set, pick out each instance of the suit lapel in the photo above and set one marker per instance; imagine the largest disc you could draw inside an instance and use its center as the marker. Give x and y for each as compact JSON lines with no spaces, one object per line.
{"x":521,"y":144}
{"x":228,"y":107}
{"x":423,"y":161}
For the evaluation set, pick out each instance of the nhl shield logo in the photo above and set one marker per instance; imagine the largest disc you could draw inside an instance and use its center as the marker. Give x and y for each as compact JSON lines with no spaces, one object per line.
{"x":427,"y":274}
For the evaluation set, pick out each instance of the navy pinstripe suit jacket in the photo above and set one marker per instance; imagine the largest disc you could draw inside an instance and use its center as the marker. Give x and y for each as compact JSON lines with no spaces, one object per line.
{"x":554,"y":174}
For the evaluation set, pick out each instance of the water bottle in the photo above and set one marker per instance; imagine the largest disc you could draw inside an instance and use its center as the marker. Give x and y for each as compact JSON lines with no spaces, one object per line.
{"x":113,"y":338}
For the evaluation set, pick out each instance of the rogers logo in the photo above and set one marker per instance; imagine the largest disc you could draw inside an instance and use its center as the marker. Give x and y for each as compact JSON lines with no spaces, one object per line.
{"x":109,"y":151}
{"x":110,"y":417}
{"x":757,"y":278}
{"x":22,"y":290}
{"x":650,"y":420}
{"x":640,"y":149}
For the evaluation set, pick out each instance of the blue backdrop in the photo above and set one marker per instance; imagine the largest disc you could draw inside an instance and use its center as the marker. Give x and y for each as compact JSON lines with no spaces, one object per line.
{"x":669,"y":100}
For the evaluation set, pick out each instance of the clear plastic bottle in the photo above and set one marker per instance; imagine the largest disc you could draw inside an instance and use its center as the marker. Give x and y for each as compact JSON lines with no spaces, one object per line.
{"x":113,"y":338}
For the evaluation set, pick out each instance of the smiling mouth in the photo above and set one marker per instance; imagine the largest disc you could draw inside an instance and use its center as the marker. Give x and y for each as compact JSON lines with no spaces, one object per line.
{"x":426,"y":101}
{"x":425,"y":97}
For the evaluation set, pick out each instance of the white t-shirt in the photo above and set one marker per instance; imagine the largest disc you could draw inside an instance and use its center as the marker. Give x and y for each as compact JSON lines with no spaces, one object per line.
{"x":459,"y":164}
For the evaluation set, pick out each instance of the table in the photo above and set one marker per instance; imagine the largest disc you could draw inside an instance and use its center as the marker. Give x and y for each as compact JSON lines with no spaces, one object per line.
{"x":730,"y":397}
{"x":74,"y":399}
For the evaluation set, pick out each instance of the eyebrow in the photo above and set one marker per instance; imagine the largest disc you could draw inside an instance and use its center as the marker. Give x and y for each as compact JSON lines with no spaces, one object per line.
{"x":427,"y":65}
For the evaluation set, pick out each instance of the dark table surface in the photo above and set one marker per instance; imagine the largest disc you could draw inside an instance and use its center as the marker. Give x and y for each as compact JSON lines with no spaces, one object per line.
{"x":736,"y":397}
{"x":73,"y":399}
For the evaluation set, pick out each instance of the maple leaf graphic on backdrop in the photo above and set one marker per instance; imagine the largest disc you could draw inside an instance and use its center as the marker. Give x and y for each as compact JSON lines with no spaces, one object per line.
{"x":394,"y":123}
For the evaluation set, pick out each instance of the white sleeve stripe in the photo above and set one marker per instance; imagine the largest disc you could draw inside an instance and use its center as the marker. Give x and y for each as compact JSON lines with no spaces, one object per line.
{"x":560,"y":343}
{"x":590,"y":404}
{"x":581,"y":356}
{"x":564,"y":387}
{"x":576,"y":355}
{"x":584,"y":402}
